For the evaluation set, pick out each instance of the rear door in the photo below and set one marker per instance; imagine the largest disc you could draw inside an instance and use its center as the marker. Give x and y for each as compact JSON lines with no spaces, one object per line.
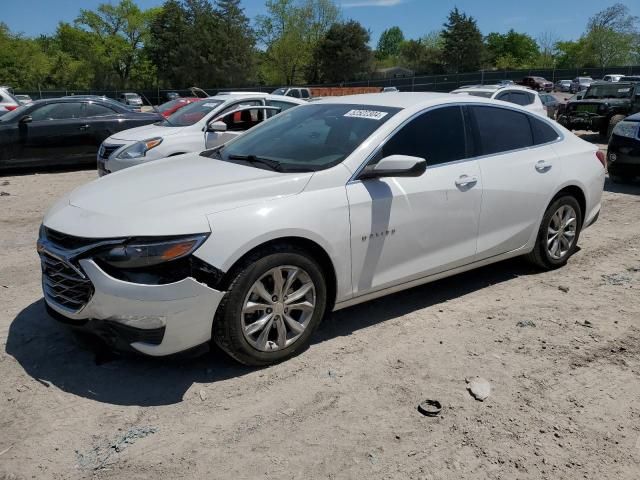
{"x":518,"y":166}
{"x":98,"y":124}
{"x":55,"y":134}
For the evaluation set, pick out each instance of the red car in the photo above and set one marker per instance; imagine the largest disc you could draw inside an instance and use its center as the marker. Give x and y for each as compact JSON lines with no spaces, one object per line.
{"x":172,"y":106}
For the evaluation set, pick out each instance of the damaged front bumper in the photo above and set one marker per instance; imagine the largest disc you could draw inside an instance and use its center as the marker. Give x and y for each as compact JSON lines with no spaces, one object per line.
{"x":155,"y":320}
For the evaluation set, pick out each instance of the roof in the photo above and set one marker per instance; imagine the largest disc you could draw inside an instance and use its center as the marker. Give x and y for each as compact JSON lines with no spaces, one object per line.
{"x":397,"y":100}
{"x":492,"y":88}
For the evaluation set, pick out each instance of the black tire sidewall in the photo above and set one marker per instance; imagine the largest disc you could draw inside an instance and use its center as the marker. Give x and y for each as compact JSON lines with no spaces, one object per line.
{"x":542,"y":235}
{"x":242,"y":350}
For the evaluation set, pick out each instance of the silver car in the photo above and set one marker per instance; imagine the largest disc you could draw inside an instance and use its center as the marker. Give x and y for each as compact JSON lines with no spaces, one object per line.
{"x":562,"y":86}
{"x":8,"y":101}
{"x":580,"y":83}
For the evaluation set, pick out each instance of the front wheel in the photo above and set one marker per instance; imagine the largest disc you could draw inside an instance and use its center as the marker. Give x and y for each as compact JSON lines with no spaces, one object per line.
{"x":274,"y":303}
{"x":616,"y":119}
{"x":558,"y":235}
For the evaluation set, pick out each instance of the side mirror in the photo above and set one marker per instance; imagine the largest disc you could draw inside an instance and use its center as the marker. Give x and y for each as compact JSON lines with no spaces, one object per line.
{"x":26,"y":119}
{"x":395,"y":166}
{"x":217,"y":127}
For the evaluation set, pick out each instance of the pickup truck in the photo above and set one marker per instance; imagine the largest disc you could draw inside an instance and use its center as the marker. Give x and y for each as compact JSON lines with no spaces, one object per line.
{"x":537,"y":83}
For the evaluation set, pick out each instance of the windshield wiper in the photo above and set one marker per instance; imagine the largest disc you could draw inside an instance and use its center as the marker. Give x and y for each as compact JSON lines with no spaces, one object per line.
{"x":272,"y":164}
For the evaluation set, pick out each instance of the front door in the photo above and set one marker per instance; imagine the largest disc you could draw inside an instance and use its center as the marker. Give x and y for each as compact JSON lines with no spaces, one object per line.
{"x":406,"y":228}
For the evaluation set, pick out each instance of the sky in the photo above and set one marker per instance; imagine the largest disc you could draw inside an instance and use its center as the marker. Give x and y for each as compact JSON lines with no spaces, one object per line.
{"x":566,"y":20}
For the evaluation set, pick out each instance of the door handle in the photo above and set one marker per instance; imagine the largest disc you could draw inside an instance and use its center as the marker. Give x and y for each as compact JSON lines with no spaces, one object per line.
{"x":84,"y":127}
{"x":465,"y":181}
{"x":543,"y":166}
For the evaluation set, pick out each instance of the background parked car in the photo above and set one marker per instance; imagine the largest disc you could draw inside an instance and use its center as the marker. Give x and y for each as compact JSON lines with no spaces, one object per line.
{"x":295,"y":92}
{"x":624,"y":150}
{"x":604,"y":105}
{"x":390,"y":90}
{"x":24,"y":99}
{"x":537,"y":83}
{"x":550,"y":103}
{"x":612,"y":77}
{"x":62,"y":130}
{"x":563,"y":105}
{"x":562,"y":86}
{"x":169,"y":108}
{"x":131,"y":99}
{"x":171,"y":95}
{"x":8,"y":101}
{"x":522,"y":96}
{"x":580,"y":83}
{"x":201,"y":125}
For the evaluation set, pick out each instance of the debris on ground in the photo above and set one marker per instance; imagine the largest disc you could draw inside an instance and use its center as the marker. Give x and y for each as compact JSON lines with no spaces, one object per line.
{"x":203,"y":395}
{"x":563,"y":288}
{"x":584,"y":323}
{"x":430,"y":408}
{"x":479,"y":388}
{"x":525,"y":323}
{"x":616,"y":279}
{"x":4,"y":183}
{"x":102,"y":455}
{"x":4,"y":194}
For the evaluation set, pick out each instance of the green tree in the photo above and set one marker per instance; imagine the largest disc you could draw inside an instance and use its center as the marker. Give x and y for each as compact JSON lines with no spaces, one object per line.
{"x":236,"y":42}
{"x":511,"y":50}
{"x":390,"y":43}
{"x":168,"y":44}
{"x":344,"y":52}
{"x":610,"y":37}
{"x":290,"y":32}
{"x":463,"y":47}
{"x":423,"y":55}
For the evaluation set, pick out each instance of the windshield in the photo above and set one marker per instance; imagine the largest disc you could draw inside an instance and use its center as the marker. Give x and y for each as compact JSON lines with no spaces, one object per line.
{"x":308,"y":138}
{"x":279,"y":91}
{"x":476,"y":93}
{"x":616,"y":90}
{"x":191,"y":114}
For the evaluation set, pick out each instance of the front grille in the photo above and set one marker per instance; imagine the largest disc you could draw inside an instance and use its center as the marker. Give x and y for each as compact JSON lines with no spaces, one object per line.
{"x":106,"y":150}
{"x":63,"y":285}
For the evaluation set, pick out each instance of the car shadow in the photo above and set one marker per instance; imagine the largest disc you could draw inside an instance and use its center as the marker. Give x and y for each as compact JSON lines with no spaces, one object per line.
{"x":50,"y":353}
{"x":631,"y":188}
{"x":24,"y":171}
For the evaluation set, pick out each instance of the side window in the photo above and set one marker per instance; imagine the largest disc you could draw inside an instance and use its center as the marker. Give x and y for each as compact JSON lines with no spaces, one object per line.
{"x":542,"y":131}
{"x":95,"y":110}
{"x":501,"y":130}
{"x":281,"y":105}
{"x":237,"y":105}
{"x":244,"y":120}
{"x":305,"y":93}
{"x":521,"y":98}
{"x":504,"y":96}
{"x":57,"y":111}
{"x":437,"y":136}
{"x":294,"y":92}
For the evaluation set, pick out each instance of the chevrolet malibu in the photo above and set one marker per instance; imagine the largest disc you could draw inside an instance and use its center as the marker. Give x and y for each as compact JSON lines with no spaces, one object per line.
{"x":324,"y":206}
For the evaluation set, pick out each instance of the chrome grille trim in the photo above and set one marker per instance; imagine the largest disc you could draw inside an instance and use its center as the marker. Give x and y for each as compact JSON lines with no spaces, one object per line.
{"x":63,"y":285}
{"x":107,"y":149}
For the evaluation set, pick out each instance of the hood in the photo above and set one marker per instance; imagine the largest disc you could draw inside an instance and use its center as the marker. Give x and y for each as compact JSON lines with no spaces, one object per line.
{"x":145,"y":132}
{"x":172,"y":196}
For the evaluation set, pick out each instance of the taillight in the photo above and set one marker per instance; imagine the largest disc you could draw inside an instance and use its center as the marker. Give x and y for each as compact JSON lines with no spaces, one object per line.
{"x":602,"y":158}
{"x":10,"y":107}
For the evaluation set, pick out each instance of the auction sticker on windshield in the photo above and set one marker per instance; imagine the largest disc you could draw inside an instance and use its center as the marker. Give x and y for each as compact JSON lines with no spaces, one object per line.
{"x":370,"y":114}
{"x":210,"y":105}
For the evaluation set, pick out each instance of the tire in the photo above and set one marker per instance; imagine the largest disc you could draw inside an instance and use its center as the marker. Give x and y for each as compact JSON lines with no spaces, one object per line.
{"x":236,"y":331}
{"x":616,"y":119}
{"x":541,"y":255}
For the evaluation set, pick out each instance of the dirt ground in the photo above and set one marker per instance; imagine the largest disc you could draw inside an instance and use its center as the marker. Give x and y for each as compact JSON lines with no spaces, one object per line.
{"x":560,"y":349}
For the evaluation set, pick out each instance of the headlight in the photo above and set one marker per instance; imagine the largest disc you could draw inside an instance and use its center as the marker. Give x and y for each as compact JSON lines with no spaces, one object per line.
{"x":139,"y":149}
{"x":146,"y":253}
{"x":626,"y":129}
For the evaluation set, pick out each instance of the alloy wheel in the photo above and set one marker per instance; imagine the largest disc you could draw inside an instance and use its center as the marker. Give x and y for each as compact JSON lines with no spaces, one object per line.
{"x":278,"y":308}
{"x":561,"y":233}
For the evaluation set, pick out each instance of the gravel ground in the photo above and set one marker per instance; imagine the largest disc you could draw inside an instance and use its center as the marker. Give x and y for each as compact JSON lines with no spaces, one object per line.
{"x":560,"y":349}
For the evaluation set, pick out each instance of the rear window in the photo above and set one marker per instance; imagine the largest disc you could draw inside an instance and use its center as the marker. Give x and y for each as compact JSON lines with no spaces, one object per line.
{"x":542,"y":131}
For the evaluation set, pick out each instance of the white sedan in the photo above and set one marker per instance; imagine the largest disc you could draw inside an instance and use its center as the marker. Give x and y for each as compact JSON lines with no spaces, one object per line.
{"x":322,"y":207}
{"x":204,"y":124}
{"x":525,"y":97}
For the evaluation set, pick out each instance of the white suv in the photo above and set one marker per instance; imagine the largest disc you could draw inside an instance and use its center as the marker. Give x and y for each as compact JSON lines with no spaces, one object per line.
{"x":203,"y":124}
{"x":522,"y":96}
{"x":8,"y":101}
{"x":322,"y":207}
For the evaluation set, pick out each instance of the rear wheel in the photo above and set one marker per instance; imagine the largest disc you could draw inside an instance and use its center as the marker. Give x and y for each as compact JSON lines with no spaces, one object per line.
{"x":558,"y":235}
{"x":274,"y":303}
